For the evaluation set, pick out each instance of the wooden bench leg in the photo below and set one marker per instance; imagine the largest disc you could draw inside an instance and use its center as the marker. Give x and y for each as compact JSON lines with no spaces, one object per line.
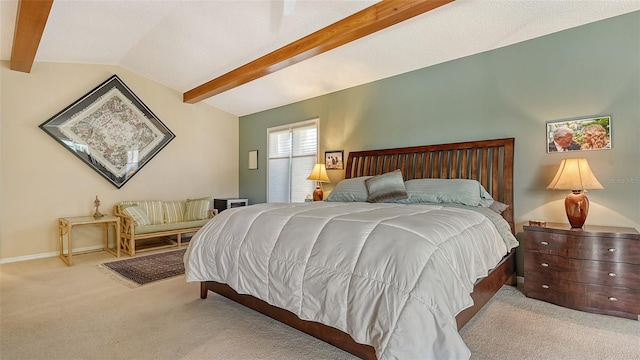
{"x":125,"y":245}
{"x":179,"y":240}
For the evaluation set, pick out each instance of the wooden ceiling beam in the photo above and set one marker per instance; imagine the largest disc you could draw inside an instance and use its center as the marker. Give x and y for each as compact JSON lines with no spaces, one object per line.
{"x":374,"y":18}
{"x":30,"y":22}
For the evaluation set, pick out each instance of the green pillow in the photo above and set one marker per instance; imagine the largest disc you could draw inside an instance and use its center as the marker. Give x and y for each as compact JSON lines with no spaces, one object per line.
{"x":197,"y":209}
{"x":125,"y":204}
{"x":138,"y":214}
{"x":173,"y":211}
{"x":153,"y":209}
{"x":386,"y":187}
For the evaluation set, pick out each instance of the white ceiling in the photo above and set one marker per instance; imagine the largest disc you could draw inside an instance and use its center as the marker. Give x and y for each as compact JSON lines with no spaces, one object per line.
{"x":183,"y":43}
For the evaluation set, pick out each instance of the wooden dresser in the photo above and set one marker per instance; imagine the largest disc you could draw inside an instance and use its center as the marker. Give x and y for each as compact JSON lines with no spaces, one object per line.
{"x":594,"y":269}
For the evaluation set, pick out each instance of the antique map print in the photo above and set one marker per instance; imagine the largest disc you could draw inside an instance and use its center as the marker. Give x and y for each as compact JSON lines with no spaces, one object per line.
{"x":113,"y":132}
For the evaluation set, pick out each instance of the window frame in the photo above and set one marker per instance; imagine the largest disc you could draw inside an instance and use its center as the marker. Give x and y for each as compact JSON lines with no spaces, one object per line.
{"x":291,"y":126}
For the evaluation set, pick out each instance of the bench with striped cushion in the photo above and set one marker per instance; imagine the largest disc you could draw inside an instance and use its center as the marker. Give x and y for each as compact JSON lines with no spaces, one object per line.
{"x":151,"y":219}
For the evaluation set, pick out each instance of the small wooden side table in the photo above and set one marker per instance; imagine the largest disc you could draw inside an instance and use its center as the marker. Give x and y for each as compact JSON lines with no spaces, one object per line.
{"x":65,"y":227}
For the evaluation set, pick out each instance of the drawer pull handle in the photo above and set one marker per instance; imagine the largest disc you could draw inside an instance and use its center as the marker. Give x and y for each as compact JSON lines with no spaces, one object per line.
{"x":613,"y":298}
{"x":612,"y":274}
{"x":544,"y":264}
{"x":547,"y":243}
{"x":545,"y":286}
{"x":612,"y":250}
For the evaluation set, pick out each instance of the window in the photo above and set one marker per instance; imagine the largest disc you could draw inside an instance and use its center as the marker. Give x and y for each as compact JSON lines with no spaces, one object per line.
{"x":293,"y":151}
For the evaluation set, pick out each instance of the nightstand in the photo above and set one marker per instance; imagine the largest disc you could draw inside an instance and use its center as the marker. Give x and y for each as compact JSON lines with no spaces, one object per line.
{"x":594,"y":269}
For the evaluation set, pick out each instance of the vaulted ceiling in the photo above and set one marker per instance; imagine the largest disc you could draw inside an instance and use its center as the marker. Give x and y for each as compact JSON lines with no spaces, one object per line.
{"x":194,"y":46}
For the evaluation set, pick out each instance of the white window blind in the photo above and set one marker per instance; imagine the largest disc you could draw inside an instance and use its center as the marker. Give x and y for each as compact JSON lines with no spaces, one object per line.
{"x":293,"y":151}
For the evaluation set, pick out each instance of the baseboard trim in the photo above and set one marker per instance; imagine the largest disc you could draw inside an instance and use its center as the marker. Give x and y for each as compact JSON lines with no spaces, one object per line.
{"x":46,"y":255}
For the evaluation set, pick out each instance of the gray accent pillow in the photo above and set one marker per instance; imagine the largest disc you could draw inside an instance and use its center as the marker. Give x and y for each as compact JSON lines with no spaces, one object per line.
{"x":350,"y":190}
{"x":386,"y":187}
{"x":498,"y":207}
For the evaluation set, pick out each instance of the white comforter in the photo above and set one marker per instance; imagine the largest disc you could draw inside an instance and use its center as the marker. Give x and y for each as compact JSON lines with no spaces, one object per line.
{"x":392,"y":276}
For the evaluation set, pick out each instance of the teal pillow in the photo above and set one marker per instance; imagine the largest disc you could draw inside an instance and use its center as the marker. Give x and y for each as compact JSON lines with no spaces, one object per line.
{"x":350,"y":190}
{"x":197,"y":209}
{"x":386,"y":187}
{"x":458,"y":191}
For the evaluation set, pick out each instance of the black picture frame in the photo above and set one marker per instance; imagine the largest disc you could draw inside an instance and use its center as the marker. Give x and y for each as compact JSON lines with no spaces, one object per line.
{"x":111,"y":130}
{"x":333,"y":160}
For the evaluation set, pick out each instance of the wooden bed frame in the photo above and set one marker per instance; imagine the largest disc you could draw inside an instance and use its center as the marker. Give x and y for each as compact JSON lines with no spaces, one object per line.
{"x":488,"y":161}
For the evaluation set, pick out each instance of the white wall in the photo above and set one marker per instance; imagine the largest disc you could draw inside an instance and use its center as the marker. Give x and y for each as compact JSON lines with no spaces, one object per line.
{"x":41,"y":181}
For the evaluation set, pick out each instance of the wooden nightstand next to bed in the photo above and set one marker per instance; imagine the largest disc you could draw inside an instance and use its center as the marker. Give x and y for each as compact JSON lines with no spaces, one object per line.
{"x":594,"y":269}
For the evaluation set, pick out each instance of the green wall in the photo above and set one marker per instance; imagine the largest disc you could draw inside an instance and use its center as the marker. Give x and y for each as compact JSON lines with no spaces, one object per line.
{"x":508,"y":92}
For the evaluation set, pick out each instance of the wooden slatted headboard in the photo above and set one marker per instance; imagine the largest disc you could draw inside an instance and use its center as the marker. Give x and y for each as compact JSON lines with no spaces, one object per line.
{"x":488,"y":161}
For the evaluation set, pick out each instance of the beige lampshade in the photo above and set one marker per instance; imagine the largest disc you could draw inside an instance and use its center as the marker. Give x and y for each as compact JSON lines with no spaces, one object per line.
{"x":574,"y":174}
{"x":319,"y":173}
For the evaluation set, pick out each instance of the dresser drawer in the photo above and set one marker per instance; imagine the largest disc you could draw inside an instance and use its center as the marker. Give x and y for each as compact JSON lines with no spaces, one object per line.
{"x":585,"y":271}
{"x":584,"y":247}
{"x":557,"y":291}
{"x":614,"y":299}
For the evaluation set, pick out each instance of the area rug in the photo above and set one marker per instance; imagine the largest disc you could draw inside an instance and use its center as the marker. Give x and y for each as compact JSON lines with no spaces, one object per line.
{"x":146,"y":269}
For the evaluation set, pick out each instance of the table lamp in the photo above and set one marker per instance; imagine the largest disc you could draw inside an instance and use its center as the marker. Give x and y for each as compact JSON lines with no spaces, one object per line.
{"x":319,"y":174}
{"x":575,"y":175}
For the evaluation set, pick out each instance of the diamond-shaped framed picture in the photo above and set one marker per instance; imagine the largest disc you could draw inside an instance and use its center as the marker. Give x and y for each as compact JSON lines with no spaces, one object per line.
{"x":111,"y":130}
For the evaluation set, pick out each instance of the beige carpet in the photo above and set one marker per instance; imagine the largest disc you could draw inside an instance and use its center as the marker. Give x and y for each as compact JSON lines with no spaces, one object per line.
{"x":532,"y":329}
{"x":51,"y":311}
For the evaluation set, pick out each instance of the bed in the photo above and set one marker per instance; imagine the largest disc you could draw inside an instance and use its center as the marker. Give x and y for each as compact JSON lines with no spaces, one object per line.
{"x":382,"y":330}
